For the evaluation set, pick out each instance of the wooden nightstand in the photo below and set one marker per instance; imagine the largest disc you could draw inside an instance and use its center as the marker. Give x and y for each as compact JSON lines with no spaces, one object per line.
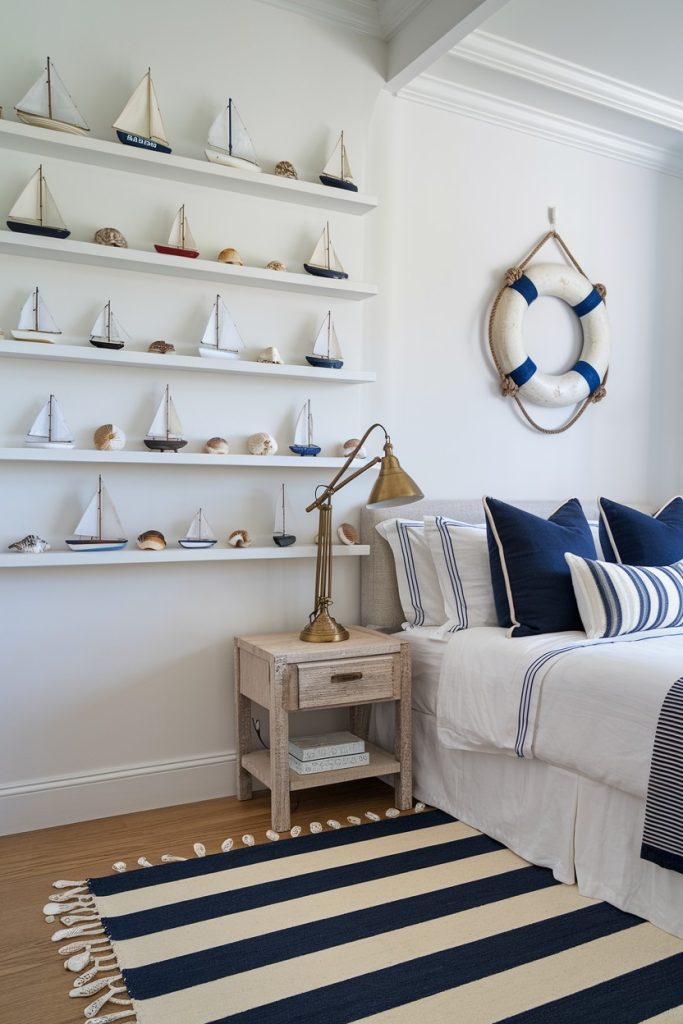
{"x":283,"y":673}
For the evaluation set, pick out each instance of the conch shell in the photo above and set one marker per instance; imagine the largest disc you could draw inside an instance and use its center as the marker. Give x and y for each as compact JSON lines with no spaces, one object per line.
{"x":151,"y":540}
{"x":30,"y":543}
{"x":239,"y":539}
{"x":350,"y":446}
{"x":270,"y":355}
{"x":111,"y":236}
{"x":217,"y":446}
{"x":109,"y":438}
{"x":162,"y":347}
{"x":230,"y":255}
{"x":261,"y":444}
{"x":347,"y":534}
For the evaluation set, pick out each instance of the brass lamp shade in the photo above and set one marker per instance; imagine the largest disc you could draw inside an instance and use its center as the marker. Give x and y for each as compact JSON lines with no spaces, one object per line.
{"x":393,"y":486}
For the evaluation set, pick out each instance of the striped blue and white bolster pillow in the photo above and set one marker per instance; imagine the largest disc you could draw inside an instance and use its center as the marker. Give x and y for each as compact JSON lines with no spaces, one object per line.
{"x":418,"y":586}
{"x":617,"y":599}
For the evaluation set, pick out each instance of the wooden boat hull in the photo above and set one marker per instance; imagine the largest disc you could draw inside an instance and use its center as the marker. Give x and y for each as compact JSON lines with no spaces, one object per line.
{"x":323,"y":361}
{"x":106,"y":344}
{"x":140,"y":142}
{"x":338,"y":275}
{"x":96,"y":545}
{"x":284,"y":540}
{"x":49,"y":122}
{"x":175,"y":250}
{"x":37,"y":229}
{"x":48,"y":444}
{"x":305,"y":449}
{"x":217,"y":353}
{"x":329,"y":179}
{"x":216,"y":157}
{"x":44,"y":336}
{"x":187,"y":542}
{"x":164,"y":445}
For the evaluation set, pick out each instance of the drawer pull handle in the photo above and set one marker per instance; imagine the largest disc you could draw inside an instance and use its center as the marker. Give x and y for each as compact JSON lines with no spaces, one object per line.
{"x":346,"y":677}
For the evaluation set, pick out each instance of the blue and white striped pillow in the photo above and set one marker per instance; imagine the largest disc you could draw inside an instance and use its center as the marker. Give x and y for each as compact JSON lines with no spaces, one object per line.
{"x":418,"y":587}
{"x":461,"y":558}
{"x":617,"y":599}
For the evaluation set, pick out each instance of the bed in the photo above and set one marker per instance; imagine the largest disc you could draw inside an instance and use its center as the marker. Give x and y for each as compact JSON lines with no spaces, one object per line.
{"x":556,"y":808}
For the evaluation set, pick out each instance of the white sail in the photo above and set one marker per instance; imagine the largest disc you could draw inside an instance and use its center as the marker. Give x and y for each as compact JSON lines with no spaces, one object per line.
{"x":49,"y":98}
{"x":334,"y":261}
{"x":175,"y":427}
{"x":141,"y":114}
{"x":59,"y":430}
{"x":89,"y":523}
{"x":199,"y":528}
{"x":181,"y":237}
{"x":229,"y":134}
{"x":111,"y":524}
{"x":51,"y":215}
{"x":41,"y":425}
{"x":221,"y":331}
{"x":36,"y":204}
{"x":158,"y":426}
{"x":107,"y":327}
{"x":219,"y":132}
{"x":35,"y":316}
{"x":320,"y":257}
{"x":303,"y":433}
{"x":327,"y":343}
{"x":338,"y":165}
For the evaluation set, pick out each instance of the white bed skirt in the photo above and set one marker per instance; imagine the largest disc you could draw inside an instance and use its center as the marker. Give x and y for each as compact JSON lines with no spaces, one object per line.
{"x":583,"y":831}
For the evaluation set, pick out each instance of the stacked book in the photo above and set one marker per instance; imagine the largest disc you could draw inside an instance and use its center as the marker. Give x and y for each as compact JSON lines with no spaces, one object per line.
{"x":311,"y":754}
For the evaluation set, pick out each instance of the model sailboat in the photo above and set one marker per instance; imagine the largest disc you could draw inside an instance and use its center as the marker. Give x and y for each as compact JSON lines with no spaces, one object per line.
{"x":181,"y":241}
{"x":324,"y":262}
{"x":139,"y":123}
{"x":199,"y":533}
{"x":280,"y":535}
{"x":36,"y":322}
{"x":47,"y":104}
{"x":99,"y":528}
{"x":229,"y":141}
{"x":35,"y":211}
{"x":303,"y":433}
{"x":107,"y":331}
{"x":165,"y":433}
{"x":49,"y":429}
{"x":327,"y":351}
{"x":221,"y":337}
{"x":337,"y":170}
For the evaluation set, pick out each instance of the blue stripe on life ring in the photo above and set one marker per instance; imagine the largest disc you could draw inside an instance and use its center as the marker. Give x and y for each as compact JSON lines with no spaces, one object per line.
{"x":525,"y":372}
{"x":526,"y":288}
{"x":593,"y":299}
{"x":589,"y":374}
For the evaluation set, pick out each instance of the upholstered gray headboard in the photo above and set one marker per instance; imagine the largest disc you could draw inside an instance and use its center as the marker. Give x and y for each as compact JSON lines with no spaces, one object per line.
{"x":380,"y":606}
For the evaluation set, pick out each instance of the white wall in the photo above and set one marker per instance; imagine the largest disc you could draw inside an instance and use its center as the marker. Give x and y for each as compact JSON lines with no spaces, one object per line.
{"x":117,"y":682}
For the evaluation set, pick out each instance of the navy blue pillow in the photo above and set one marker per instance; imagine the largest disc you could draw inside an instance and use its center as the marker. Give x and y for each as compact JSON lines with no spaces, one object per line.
{"x":532,"y":584}
{"x":634,"y":538}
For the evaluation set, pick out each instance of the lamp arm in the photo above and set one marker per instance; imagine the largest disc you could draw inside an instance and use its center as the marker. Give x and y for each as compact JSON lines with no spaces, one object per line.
{"x":334,"y":484}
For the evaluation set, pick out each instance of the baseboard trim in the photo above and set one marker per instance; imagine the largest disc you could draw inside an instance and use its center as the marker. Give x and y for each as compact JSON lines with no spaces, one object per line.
{"x":61,"y":800}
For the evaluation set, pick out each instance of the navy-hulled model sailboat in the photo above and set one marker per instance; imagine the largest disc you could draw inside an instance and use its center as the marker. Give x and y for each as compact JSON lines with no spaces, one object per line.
{"x":327,"y":350}
{"x":229,"y":142}
{"x":303,"y":433}
{"x":337,"y":170}
{"x":165,"y":433}
{"x":139,"y":123}
{"x":282,"y":538}
{"x":107,"y":332}
{"x":324,"y":262}
{"x":35,"y":211}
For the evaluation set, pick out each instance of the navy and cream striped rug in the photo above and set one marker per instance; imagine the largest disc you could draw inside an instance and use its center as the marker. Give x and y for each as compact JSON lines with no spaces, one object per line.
{"x":416,"y":920}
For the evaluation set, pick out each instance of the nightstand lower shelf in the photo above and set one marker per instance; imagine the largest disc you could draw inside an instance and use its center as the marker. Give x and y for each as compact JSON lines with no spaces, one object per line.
{"x":257,"y":763}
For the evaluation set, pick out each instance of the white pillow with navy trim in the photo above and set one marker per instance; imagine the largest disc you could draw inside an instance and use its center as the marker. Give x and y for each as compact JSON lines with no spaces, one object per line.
{"x":616,"y":599}
{"x":418,"y":586}
{"x":461,"y":557}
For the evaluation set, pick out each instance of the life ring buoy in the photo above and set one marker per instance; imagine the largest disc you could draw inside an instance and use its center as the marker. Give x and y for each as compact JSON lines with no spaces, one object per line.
{"x":588,"y":372}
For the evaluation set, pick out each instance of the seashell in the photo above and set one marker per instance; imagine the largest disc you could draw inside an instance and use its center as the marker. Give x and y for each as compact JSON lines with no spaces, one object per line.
{"x":392,"y":812}
{"x":284,"y":169}
{"x":227,"y":845}
{"x":170,"y":858}
{"x":120,"y":866}
{"x":276,"y":265}
{"x":162,"y":347}
{"x":109,"y":438}
{"x":270,"y":355}
{"x":30,"y":543}
{"x":199,"y":850}
{"x":261,"y":444}
{"x":111,"y":236}
{"x":371,"y":816}
{"x":316,"y":828}
{"x":350,"y":446}
{"x":151,"y":540}
{"x":248,"y":840}
{"x":419,"y":807}
{"x":295,"y":832}
{"x":230,"y":255}
{"x":144,"y":863}
{"x":272,"y":835}
{"x":353,"y":820}
{"x":217,"y":446}
{"x":77,"y":962}
{"x":333,"y":823}
{"x":347,"y":534}
{"x":239,"y":539}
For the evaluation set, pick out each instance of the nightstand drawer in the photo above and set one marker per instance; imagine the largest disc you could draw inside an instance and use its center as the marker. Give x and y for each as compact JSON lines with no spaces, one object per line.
{"x":348,"y":681}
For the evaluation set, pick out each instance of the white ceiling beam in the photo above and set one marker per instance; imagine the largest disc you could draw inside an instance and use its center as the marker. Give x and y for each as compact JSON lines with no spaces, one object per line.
{"x":432,"y":30}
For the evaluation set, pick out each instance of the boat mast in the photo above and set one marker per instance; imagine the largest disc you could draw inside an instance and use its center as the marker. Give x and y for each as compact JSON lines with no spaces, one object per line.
{"x":329,"y":322}
{"x":149,"y":103}
{"x":327,"y":244}
{"x":40,"y":191}
{"x":341,"y":156}
{"x":49,"y":90}
{"x":168,"y":402}
{"x":99,"y":508}
{"x":284,"y":531}
{"x":230,"y":126}
{"x":49,"y":417}
{"x":310,"y":431}
{"x":35,"y":310}
{"x":182,"y":226}
{"x":217,"y":326}
{"x":200,"y":524}
{"x":109,"y":320}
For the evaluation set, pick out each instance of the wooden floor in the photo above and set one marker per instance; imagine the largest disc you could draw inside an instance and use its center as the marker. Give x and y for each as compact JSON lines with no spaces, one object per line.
{"x":33,"y":983}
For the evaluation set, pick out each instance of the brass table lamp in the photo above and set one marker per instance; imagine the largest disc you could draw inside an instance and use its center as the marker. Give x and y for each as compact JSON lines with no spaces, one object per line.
{"x":393,"y":486}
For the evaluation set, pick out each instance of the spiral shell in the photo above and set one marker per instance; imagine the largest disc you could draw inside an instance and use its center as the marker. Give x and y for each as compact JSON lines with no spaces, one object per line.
{"x":350,"y":446}
{"x":30,"y":544}
{"x":239,"y":539}
{"x":270,"y":355}
{"x":347,"y":534}
{"x":217,"y":446}
{"x":151,"y":540}
{"x":284,"y":169}
{"x":111,"y":236}
{"x":261,"y":444}
{"x":109,"y":438}
{"x":162,"y":347}
{"x":230,"y":255}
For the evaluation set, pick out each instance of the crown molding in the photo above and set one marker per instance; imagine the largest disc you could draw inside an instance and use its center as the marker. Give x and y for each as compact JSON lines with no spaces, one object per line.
{"x":393,"y":13}
{"x":492,"y":51}
{"x":458,"y":99}
{"x":357,"y":15}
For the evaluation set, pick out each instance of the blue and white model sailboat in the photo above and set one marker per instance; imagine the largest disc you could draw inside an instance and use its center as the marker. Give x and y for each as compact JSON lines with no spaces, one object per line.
{"x":337,"y":170}
{"x":99,"y":528}
{"x":107,"y":332}
{"x":199,"y":533}
{"x":327,"y":350}
{"x":139,"y":123}
{"x":303,"y":433}
{"x":229,"y":142}
{"x":324,"y":262}
{"x":35,"y":212}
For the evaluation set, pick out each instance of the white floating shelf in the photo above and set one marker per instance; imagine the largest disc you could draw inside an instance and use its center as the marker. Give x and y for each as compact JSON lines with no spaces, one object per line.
{"x":180,"y":458}
{"x":134,"y":556}
{"x":86,"y":353}
{"x":220,"y":274}
{"x":114,"y":156}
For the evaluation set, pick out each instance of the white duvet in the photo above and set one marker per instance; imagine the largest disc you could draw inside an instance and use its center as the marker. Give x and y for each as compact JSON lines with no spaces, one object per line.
{"x":590,"y":706}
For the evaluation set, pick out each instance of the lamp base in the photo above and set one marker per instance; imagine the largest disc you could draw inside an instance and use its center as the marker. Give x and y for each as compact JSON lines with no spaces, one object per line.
{"x":324,"y":630}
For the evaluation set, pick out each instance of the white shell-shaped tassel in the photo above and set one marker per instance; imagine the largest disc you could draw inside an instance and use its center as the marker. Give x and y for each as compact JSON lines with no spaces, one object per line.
{"x":353,"y":820}
{"x":248,"y":840}
{"x":315,"y":827}
{"x":227,"y":845}
{"x":66,"y":908}
{"x":77,"y":962}
{"x":73,"y":933}
{"x":295,"y":831}
{"x":168,"y":858}
{"x":199,"y":849}
{"x":371,"y":816}
{"x":109,"y":1018}
{"x":392,"y":812}
{"x":333,"y":823}
{"x":65,"y":883}
{"x":144,"y":863}
{"x":420,"y":807}
{"x":71,"y":894}
{"x":92,"y":1009}
{"x":120,"y":866}
{"x":70,"y":919}
{"x":273,"y":836}
{"x":76,"y":947}
{"x":93,"y":987}
{"x":101,"y":964}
